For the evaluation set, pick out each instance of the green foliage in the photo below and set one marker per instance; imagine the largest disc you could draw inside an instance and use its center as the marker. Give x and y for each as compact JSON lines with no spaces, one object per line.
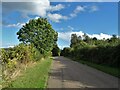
{"x":40,"y":33}
{"x":22,"y":53}
{"x":13,"y":58}
{"x":34,"y":76}
{"x":38,"y":39}
{"x":74,"y":40}
{"x":56,"y":51}
{"x":66,"y":51}
{"x":4,"y":56}
{"x":104,"y":52}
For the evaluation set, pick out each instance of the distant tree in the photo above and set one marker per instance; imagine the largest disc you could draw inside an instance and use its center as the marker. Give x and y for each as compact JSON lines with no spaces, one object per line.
{"x":74,"y":40}
{"x":66,"y":51}
{"x":79,"y":38}
{"x":87,"y":39}
{"x":114,"y":38}
{"x":94,"y":38}
{"x":55,"y":50}
{"x":40,"y":33}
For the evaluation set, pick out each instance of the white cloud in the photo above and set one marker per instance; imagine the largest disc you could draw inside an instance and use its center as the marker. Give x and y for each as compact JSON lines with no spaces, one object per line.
{"x":73,"y":15}
{"x":100,"y":36}
{"x":41,"y":8}
{"x":7,"y":46}
{"x":80,"y":33}
{"x":56,"y":8}
{"x":67,"y":35}
{"x":77,"y":10}
{"x":61,"y":47}
{"x":64,"y":35}
{"x":18,"y":25}
{"x":38,"y":7}
{"x":57,"y":17}
{"x":94,"y":8}
{"x":70,"y":28}
{"x":11,"y":46}
{"x":24,"y":15}
{"x":37,"y":17}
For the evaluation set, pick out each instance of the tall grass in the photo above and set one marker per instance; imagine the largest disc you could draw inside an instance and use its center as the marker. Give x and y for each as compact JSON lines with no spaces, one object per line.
{"x":35,"y":76}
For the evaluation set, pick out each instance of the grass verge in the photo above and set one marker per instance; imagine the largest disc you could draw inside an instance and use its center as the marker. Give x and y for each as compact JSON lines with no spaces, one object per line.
{"x":110,"y":70}
{"x":34,"y":76}
{"x":0,"y":76}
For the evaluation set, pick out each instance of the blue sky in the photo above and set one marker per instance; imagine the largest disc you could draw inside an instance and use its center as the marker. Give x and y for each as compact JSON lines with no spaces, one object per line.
{"x":96,"y":19}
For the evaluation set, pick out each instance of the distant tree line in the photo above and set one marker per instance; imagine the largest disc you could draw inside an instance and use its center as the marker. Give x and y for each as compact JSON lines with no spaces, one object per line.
{"x":104,"y":52}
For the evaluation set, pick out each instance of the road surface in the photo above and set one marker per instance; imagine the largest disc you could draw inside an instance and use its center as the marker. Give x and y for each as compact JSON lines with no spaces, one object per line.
{"x":66,"y":73}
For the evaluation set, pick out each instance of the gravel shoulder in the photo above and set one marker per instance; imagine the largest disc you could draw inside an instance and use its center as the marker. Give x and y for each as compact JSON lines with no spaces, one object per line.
{"x":66,"y":73}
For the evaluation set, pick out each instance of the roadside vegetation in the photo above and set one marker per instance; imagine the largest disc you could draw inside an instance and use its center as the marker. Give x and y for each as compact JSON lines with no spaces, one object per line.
{"x":101,"y":54}
{"x":37,"y":39}
{"x":35,"y":76}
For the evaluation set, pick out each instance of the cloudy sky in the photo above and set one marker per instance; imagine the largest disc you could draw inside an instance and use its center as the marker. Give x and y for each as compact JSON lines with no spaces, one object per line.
{"x":97,"y":19}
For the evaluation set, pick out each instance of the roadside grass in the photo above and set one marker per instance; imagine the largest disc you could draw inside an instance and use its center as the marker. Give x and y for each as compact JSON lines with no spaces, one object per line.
{"x":0,"y":76}
{"x":34,"y":76}
{"x":110,"y":70}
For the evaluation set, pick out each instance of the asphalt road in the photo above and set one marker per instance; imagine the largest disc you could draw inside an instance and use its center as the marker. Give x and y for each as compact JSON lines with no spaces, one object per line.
{"x":66,"y":73}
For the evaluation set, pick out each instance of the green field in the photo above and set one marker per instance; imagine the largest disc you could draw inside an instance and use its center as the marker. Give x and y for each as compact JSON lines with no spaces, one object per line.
{"x":34,"y":76}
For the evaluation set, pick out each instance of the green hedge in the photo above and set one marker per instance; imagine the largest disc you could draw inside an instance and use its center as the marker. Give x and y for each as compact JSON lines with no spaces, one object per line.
{"x":104,"y":55}
{"x":14,"y":58}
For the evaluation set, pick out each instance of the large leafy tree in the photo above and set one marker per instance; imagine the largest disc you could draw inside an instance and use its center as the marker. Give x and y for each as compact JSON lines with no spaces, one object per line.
{"x":40,"y":33}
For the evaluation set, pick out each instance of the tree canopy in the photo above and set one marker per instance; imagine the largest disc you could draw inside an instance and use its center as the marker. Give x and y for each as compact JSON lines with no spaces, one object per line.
{"x":56,"y":50}
{"x":40,"y":33}
{"x":104,"y":51}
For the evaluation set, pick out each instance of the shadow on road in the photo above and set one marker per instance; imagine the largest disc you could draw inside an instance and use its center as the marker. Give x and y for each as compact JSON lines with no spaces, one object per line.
{"x":66,"y":73}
